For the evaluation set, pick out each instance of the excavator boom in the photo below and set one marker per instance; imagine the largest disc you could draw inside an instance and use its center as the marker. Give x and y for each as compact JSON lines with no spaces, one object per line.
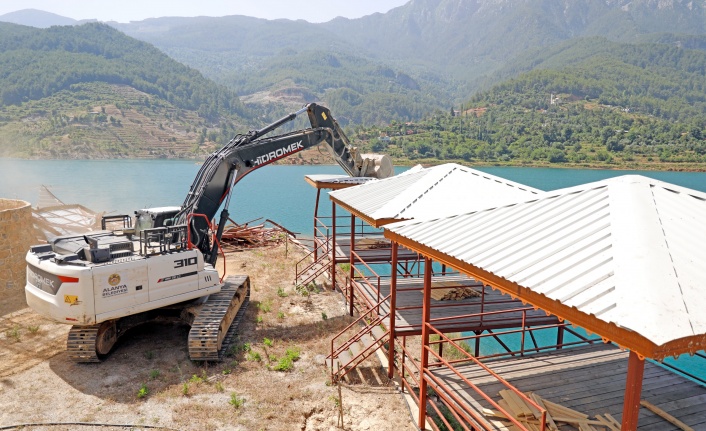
{"x":217,"y":177}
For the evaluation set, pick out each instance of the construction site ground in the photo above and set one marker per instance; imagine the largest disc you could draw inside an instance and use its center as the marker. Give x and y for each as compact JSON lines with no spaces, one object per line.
{"x":148,"y":380}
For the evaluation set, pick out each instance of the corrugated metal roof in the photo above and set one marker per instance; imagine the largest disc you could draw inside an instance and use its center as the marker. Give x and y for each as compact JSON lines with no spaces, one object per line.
{"x":424,"y":193}
{"x":324,"y":181}
{"x":627,"y":250}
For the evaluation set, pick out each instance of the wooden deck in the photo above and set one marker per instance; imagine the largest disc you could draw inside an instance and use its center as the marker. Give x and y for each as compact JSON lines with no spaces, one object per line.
{"x":371,"y":249}
{"x":590,"y":379}
{"x":409,"y":306}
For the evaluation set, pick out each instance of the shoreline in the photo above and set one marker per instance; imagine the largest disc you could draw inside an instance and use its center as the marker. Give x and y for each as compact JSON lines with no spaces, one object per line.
{"x":656,"y":167}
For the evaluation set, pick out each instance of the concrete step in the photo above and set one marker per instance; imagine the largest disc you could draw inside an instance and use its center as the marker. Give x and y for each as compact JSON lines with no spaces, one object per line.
{"x":378,"y":332}
{"x":344,"y":358}
{"x":356,"y":349}
{"x":367,"y":340}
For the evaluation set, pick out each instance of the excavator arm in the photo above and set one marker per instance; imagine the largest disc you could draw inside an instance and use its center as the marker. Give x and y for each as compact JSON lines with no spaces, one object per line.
{"x":217,"y":177}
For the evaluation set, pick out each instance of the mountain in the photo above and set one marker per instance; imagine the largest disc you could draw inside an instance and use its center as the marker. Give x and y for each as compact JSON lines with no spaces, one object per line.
{"x":286,"y":63}
{"x":421,"y":59}
{"x":588,"y":102}
{"x":36,"y":18}
{"x":91,"y":84}
{"x":471,"y":37}
{"x":451,"y":48}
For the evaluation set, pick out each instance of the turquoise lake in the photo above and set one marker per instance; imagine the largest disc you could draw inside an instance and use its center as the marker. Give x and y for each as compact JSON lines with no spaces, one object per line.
{"x":275,"y":192}
{"x":278,"y":193}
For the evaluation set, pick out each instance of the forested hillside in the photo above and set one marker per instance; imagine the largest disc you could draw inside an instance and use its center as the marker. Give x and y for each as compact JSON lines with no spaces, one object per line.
{"x":535,"y":81}
{"x":58,"y":82}
{"x":278,"y":65}
{"x":616,"y":104}
{"x":449,"y":48}
{"x":38,"y":63}
{"x":356,"y":90}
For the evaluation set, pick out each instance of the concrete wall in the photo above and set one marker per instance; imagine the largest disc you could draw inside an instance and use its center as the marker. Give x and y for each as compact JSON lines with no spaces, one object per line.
{"x":16,"y":235}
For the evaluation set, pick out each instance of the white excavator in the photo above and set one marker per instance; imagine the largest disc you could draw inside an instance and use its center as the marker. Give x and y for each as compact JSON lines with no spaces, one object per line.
{"x":162,"y":265}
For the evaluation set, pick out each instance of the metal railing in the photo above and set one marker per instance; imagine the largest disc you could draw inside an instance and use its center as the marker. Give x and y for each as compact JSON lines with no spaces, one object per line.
{"x":318,"y":256}
{"x":360,"y":279}
{"x":462,"y":411}
{"x":369,"y":320}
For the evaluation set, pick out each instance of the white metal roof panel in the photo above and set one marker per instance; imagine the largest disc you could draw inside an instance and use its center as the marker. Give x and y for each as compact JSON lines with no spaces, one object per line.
{"x":627,"y":250}
{"x":448,"y":189}
{"x":344,"y":179}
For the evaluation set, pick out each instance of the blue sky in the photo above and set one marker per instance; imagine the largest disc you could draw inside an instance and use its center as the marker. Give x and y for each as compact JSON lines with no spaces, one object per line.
{"x":137,"y":10}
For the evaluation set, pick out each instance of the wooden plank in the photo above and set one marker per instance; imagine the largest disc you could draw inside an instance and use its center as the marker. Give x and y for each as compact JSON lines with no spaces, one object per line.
{"x":590,"y":394}
{"x":603,"y":395}
{"x":608,"y":424}
{"x":666,"y":416}
{"x":540,"y":402}
{"x":493,"y":413}
{"x":613,"y":420}
{"x":508,"y":408}
{"x":560,"y":410}
{"x":518,"y":410}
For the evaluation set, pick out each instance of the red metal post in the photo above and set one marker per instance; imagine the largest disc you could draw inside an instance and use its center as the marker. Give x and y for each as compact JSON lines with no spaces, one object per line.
{"x":403,"y":374}
{"x":426,"y":317}
{"x":351,"y":261}
{"x":477,"y":350}
{"x":524,"y":330}
{"x":633,"y":391}
{"x":316,"y":217}
{"x":333,"y":246}
{"x":393,"y":305}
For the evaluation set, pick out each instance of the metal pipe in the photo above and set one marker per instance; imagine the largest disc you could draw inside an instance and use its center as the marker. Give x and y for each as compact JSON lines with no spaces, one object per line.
{"x":393,"y":305}
{"x":426,"y":315}
{"x":633,"y":391}
{"x":316,"y":215}
{"x":351,"y":261}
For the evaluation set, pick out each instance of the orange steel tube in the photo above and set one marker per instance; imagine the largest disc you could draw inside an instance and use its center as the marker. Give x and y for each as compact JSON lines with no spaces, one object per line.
{"x":393,"y":304}
{"x":316,"y":213}
{"x":524,"y":324}
{"x":426,"y":314}
{"x":633,"y":391}
{"x":351,"y":261}
{"x":477,"y":389}
{"x":353,"y":323}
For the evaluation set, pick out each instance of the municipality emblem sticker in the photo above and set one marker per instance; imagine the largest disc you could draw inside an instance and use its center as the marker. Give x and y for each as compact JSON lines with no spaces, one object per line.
{"x":114,"y":279}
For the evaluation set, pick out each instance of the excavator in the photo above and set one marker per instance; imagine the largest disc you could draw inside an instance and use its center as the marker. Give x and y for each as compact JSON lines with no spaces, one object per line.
{"x":161,"y":262}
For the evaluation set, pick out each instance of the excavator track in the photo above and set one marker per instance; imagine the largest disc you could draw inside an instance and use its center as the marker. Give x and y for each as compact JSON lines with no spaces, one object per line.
{"x":81,"y":343}
{"x":90,"y":343}
{"x":213,"y":329}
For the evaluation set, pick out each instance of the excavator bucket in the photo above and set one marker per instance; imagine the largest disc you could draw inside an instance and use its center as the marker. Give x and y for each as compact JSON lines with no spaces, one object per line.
{"x":377,"y":166}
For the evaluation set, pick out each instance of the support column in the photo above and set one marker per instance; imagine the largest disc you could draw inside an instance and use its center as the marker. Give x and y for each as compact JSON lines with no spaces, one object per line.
{"x":633,"y":391}
{"x":316,"y":218}
{"x":393,"y":305}
{"x":477,"y":346}
{"x":426,"y":316}
{"x":333,"y":245}
{"x":351,"y":262}
{"x":560,"y":337}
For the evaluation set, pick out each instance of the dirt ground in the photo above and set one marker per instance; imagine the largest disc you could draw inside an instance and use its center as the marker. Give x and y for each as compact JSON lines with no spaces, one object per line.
{"x":149,"y":382}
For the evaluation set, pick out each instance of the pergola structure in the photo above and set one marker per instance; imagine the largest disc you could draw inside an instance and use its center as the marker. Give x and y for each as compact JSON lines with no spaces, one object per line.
{"x":623,"y":258}
{"x":390,"y":310}
{"x":321,"y":257}
{"x":416,"y":193}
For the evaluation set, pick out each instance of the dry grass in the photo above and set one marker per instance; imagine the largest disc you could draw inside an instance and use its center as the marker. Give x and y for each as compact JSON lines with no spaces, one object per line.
{"x":193,"y":396}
